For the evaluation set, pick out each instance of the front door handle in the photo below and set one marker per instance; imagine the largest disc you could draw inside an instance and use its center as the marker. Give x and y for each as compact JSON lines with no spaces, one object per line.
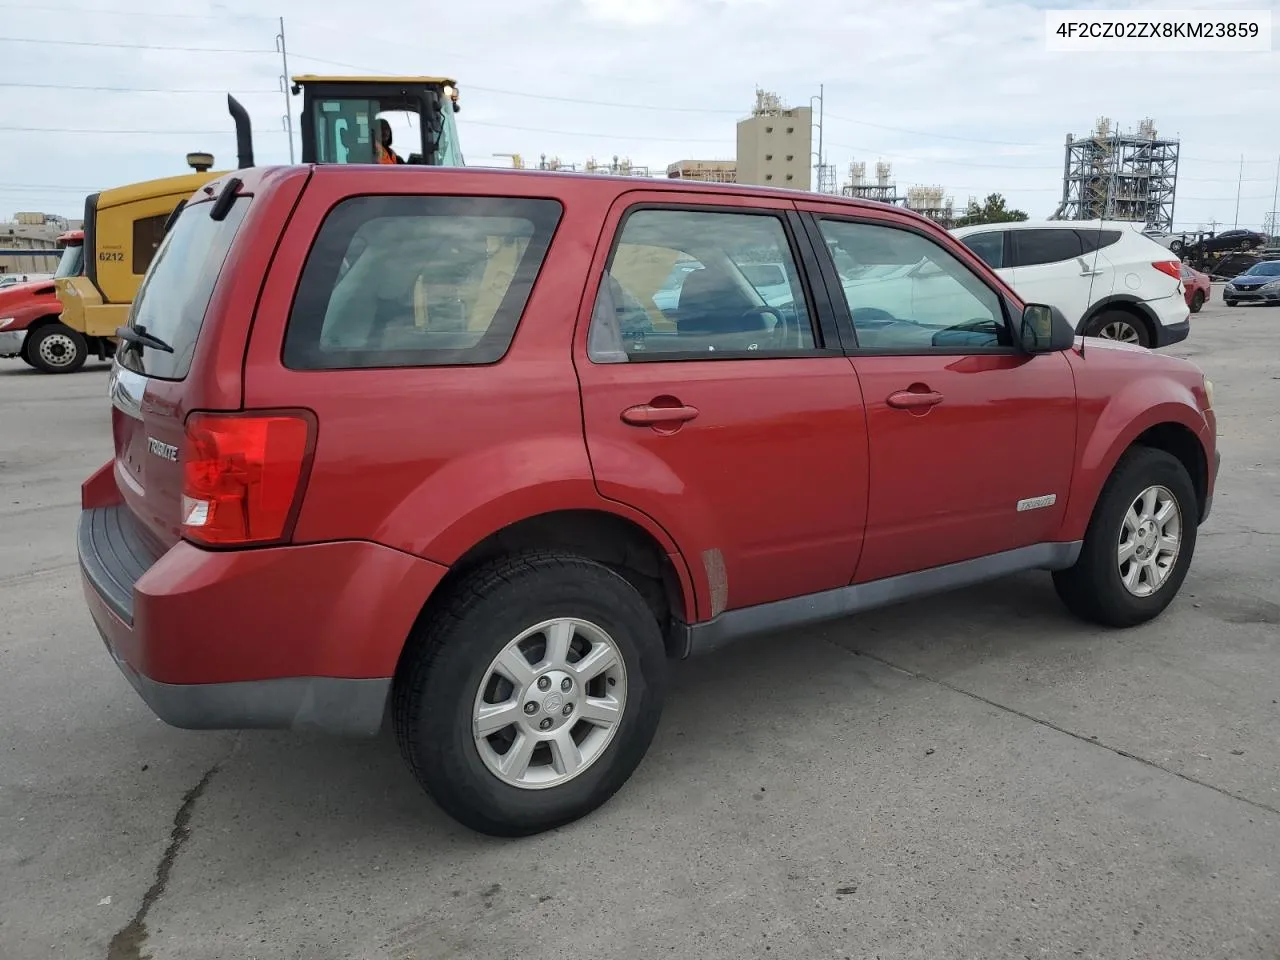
{"x":648,"y":414}
{"x":910,"y":400}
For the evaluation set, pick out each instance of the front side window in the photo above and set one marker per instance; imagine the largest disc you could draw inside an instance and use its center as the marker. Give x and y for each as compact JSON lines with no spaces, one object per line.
{"x":911,"y":295}
{"x":699,"y":284}
{"x":1034,"y":247}
{"x":417,"y":281}
{"x":988,"y":246}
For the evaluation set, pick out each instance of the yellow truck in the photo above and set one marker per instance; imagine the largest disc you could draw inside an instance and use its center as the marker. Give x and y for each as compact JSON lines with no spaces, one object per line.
{"x":339,"y":123}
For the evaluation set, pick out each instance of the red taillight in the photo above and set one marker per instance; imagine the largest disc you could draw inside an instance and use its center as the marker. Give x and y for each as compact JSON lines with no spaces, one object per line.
{"x":1172,"y":267}
{"x":241,"y":476}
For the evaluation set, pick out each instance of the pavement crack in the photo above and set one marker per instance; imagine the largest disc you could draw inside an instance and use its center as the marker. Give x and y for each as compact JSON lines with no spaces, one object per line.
{"x":1091,"y":741}
{"x":128,"y":942}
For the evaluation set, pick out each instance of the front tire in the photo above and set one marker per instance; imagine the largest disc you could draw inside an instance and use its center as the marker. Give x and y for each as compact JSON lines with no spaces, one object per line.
{"x":1139,"y":543}
{"x":1230,"y":303}
{"x":1119,"y":325}
{"x":531,"y":694}
{"x":56,"y":348}
{"x":1197,"y":301}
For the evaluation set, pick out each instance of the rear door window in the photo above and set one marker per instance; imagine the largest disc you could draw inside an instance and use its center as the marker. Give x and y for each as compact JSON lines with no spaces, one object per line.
{"x":1034,"y":247}
{"x":417,"y":281}
{"x":178,"y":285}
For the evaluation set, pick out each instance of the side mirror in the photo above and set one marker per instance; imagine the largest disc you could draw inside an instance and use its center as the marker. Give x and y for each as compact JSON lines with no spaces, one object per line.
{"x":1043,"y":329}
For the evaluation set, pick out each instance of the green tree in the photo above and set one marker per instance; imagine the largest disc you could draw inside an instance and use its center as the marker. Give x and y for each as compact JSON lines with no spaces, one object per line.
{"x":991,"y":210}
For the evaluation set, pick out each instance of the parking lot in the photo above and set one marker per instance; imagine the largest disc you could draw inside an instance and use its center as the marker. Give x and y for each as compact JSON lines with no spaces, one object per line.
{"x":978,"y":776}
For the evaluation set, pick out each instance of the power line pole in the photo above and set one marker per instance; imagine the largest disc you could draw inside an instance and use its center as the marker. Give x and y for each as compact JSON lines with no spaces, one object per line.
{"x":284,"y":87}
{"x":1275,"y":195}
{"x":1239,"y":184}
{"x":821,"y":168}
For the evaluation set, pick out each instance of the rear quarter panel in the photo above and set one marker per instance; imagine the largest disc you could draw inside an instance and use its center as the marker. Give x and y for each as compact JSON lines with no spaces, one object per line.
{"x":431,"y":460}
{"x":1122,"y":392}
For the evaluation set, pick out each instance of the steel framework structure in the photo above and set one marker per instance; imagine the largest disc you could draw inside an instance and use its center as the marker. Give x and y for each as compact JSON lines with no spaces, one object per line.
{"x":1111,"y":175}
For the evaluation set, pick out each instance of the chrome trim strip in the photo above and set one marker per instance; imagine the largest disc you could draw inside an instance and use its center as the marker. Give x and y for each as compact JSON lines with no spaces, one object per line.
{"x":125,"y":388}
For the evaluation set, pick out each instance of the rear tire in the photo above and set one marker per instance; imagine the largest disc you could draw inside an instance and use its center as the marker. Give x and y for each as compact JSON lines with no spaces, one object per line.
{"x":56,"y":348}
{"x":1119,"y":325}
{"x":459,"y":670}
{"x":1197,"y":301}
{"x":1159,"y":551}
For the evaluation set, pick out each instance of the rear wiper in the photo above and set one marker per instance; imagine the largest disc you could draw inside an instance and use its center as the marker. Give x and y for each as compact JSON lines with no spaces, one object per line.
{"x":140,"y":336}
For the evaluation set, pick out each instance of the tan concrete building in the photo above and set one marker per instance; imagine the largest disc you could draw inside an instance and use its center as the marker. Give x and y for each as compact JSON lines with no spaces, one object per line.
{"x":775,"y":144}
{"x":31,"y":231}
{"x":707,"y":171}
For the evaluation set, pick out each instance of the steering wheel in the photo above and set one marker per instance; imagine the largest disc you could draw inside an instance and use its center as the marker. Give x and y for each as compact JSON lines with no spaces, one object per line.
{"x":778,"y":335}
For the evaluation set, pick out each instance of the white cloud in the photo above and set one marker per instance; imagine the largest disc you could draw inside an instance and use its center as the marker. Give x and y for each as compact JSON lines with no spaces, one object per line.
{"x":918,"y":82}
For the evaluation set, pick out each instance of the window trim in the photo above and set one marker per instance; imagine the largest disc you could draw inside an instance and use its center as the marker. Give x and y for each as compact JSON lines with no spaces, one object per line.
{"x":822,"y":322}
{"x":526,"y":287}
{"x":840,"y":306}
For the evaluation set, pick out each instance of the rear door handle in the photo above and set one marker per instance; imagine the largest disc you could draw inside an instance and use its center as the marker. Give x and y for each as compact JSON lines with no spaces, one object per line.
{"x":646,"y":414}
{"x":909,"y":400}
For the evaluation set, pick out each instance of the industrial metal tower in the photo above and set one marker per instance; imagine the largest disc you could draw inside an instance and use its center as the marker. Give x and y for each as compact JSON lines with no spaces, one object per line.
{"x":1112,"y":175}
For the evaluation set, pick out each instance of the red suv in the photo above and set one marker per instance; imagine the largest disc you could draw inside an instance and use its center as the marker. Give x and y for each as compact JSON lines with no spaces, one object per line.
{"x":487,"y":449}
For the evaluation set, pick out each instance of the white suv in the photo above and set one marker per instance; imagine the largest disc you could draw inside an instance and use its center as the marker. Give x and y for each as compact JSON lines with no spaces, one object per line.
{"x":1106,"y":277}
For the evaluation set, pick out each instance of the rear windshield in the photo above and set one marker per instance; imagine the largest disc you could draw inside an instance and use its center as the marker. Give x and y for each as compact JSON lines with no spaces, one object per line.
{"x":176,"y":290}
{"x":417,"y":281}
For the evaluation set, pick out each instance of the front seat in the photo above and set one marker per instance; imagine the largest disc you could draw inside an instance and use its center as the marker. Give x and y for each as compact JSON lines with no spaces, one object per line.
{"x":710,"y":302}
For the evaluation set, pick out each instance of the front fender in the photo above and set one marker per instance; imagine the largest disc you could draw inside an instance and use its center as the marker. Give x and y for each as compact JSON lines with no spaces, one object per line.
{"x":1123,"y":417}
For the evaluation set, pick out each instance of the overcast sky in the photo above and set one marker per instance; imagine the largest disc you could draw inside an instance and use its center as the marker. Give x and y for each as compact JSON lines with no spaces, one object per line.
{"x":956,"y":93}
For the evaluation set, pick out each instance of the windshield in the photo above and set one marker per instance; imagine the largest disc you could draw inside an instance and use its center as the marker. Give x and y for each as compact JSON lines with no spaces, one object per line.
{"x":72,"y":261}
{"x":1268,"y":269}
{"x":176,"y":290}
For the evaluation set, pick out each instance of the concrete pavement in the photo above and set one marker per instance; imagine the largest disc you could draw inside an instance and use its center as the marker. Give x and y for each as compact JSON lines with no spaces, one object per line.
{"x":976,"y":776}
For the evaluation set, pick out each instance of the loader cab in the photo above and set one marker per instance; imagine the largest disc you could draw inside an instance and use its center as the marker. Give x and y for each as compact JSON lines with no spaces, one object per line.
{"x":340,"y":115}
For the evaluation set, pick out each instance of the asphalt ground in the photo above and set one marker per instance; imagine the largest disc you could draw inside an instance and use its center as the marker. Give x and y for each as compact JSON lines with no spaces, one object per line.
{"x":978,"y":776}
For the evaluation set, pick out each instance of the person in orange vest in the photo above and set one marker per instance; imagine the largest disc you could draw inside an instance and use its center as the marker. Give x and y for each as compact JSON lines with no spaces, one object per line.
{"x":384,"y":151}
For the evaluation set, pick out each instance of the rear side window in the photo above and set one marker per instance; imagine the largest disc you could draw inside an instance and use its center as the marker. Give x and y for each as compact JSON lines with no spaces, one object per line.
{"x":147,"y":234}
{"x":1033,"y":247}
{"x":176,"y":290}
{"x":417,"y":281}
{"x":1091,"y":240}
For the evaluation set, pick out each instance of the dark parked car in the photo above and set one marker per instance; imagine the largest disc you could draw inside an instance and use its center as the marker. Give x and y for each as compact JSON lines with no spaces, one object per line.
{"x":1259,"y":284}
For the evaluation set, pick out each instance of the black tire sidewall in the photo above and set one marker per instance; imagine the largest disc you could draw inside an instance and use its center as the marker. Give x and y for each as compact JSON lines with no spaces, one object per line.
{"x":1197,"y":301}
{"x":1139,"y":469}
{"x":1100,"y":321}
{"x":32,"y":347}
{"x":447,"y":759}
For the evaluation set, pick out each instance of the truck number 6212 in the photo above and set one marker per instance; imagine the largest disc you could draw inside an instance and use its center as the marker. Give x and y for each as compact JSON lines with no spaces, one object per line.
{"x":111,"y":256}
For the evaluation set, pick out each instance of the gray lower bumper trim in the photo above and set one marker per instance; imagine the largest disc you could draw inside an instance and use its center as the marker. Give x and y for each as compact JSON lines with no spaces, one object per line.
{"x":324,"y":704}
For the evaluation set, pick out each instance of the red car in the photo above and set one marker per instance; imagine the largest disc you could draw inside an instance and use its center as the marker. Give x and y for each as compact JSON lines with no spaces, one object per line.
{"x":428,"y":439}
{"x":1197,"y":287}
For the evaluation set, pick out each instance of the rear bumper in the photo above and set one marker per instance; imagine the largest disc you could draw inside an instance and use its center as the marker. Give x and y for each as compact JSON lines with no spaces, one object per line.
{"x":1173,"y":320}
{"x":300,"y":637}
{"x":11,"y":342}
